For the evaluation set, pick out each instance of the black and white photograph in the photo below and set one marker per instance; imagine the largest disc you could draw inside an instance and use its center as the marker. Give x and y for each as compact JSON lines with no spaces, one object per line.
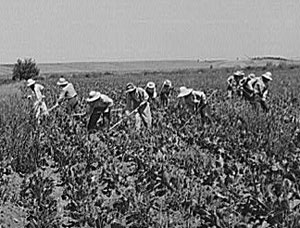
{"x":150,"y":114}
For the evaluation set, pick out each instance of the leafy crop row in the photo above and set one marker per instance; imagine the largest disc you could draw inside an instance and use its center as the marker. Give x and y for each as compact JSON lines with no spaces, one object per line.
{"x":242,"y":172}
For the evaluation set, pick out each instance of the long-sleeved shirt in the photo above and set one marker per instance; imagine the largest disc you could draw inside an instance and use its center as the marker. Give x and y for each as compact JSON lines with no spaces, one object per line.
{"x":257,"y":86}
{"x":193,"y":100}
{"x":136,"y":98}
{"x":152,"y":93}
{"x":103,"y":102}
{"x":165,"y":91}
{"x":243,"y":81}
{"x":37,"y":90}
{"x":67,"y":92}
{"x":196,"y":97}
{"x":232,"y":81}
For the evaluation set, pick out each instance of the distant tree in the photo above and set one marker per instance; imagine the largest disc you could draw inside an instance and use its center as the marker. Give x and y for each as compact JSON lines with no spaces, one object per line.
{"x":25,"y":69}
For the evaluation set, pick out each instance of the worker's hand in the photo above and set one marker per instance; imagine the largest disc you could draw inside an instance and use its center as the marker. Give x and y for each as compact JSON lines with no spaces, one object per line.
{"x":106,"y":110}
{"x":127,"y":113}
{"x":29,"y":96}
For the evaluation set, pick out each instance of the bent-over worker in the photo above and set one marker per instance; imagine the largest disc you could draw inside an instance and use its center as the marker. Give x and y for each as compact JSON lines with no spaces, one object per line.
{"x":243,"y":84}
{"x":137,"y":100}
{"x":39,"y":105}
{"x":233,"y":83}
{"x":152,"y":93}
{"x":98,"y":104}
{"x":194,"y":101}
{"x":165,"y":93}
{"x":259,"y":89}
{"x":67,"y":93}
{"x":151,"y":90}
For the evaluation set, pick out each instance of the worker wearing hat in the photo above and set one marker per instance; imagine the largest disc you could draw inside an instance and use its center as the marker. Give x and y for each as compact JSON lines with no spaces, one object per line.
{"x":151,"y":90}
{"x":243,"y":84}
{"x":152,"y":93}
{"x":165,"y":93}
{"x":259,"y":88}
{"x":67,"y":93}
{"x":138,"y":101}
{"x":233,"y":82}
{"x":98,"y":104}
{"x":40,"y":107}
{"x":194,"y":101}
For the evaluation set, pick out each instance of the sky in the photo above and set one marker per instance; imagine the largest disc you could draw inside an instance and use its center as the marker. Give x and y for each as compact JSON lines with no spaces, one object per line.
{"x":129,"y":30}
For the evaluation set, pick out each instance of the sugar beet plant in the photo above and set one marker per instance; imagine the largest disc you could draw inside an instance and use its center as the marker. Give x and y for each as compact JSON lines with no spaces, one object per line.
{"x":241,"y":172}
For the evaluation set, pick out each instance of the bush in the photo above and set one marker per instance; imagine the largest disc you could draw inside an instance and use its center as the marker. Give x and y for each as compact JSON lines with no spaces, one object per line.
{"x":25,"y":69}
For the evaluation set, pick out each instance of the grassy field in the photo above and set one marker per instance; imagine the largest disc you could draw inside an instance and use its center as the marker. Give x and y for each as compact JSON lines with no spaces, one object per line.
{"x":241,"y":172}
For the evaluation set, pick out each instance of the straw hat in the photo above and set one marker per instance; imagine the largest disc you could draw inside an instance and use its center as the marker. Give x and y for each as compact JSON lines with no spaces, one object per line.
{"x":130,"y":87}
{"x":183,"y":91}
{"x":93,"y":96}
{"x":268,"y":76}
{"x":150,"y":85}
{"x":62,"y":81}
{"x":167,"y":83}
{"x":239,"y":73}
{"x":30,"y":82}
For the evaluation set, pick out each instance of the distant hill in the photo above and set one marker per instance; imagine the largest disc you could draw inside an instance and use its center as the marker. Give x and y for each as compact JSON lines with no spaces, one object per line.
{"x":138,"y":66}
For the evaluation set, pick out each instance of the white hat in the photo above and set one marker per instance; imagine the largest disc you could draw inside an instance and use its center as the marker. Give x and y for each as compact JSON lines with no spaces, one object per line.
{"x":239,"y":73}
{"x":130,"y":87}
{"x":150,"y":85}
{"x":62,"y":81}
{"x":183,"y":91}
{"x":268,"y":76}
{"x":30,"y":82}
{"x":93,"y":96}
{"x":167,"y":83}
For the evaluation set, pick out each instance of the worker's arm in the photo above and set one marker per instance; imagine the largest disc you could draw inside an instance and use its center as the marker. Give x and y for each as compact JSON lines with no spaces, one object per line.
{"x":250,"y":85}
{"x":264,"y":95}
{"x":128,"y":106}
{"x":38,"y":93}
{"x":229,"y":80}
{"x":242,"y":82}
{"x":144,"y":97}
{"x":61,"y":96}
{"x":89,"y":109}
{"x":199,"y":98}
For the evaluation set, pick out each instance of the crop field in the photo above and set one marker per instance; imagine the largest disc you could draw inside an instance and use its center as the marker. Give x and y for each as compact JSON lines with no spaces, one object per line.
{"x":244,"y":171}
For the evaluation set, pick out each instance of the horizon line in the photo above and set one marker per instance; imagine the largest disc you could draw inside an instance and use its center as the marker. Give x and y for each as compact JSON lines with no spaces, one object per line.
{"x":157,"y":60}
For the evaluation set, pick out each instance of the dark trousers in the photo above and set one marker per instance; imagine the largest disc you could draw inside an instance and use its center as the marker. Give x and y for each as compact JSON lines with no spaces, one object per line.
{"x":256,"y":100}
{"x":95,"y":116}
{"x":205,"y":113}
{"x":72,"y":104}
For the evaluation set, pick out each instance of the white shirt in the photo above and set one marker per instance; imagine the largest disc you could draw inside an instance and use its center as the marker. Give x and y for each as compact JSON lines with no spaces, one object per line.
{"x":38,"y":92}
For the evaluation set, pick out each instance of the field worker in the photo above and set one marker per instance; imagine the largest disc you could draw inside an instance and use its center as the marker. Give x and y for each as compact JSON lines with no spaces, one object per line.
{"x":137,"y":99}
{"x":67,"y":93}
{"x":194,"y":101}
{"x":98,"y":105}
{"x":39,"y":105}
{"x":165,"y":93}
{"x":258,"y":88}
{"x":233,"y":82}
{"x":151,"y":90}
{"x":244,"y":82}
